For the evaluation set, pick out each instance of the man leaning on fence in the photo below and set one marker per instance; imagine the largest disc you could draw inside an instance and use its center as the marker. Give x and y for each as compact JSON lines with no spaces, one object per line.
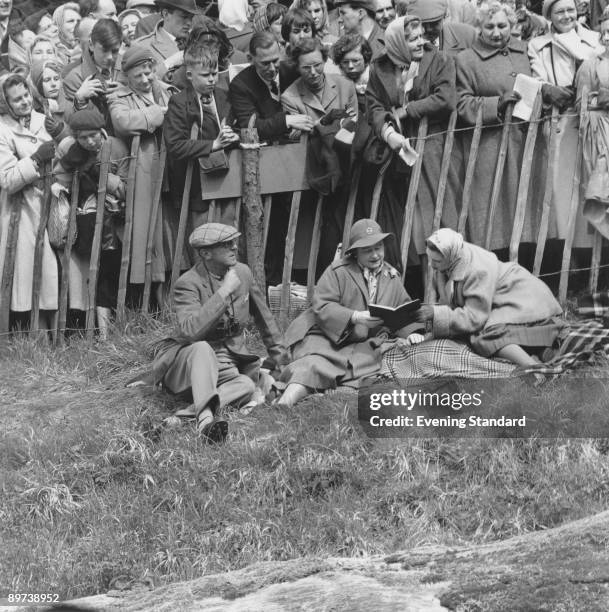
{"x":208,"y":355}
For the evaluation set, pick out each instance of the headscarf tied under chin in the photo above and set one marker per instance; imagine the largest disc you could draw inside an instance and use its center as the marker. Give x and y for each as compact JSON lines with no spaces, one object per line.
{"x":396,"y":44}
{"x":58,"y":20}
{"x":450,"y":244}
{"x":5,"y":107}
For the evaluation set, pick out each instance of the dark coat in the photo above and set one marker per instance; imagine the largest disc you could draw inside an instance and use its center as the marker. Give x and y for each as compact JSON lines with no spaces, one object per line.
{"x":183,"y":111}
{"x":456,"y":37}
{"x":249,"y":95}
{"x":202,"y":314}
{"x":376,"y":40}
{"x":327,"y":325}
{"x":433,"y":96}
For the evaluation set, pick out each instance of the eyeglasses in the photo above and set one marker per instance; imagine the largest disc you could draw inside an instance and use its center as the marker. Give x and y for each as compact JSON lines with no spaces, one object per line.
{"x":229,"y":245}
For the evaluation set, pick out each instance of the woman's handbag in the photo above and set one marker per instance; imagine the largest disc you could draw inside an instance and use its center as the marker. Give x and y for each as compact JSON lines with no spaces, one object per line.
{"x":216,"y":161}
{"x":59,"y":215}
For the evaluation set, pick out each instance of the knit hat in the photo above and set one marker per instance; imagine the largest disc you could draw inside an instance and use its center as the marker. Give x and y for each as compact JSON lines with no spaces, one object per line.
{"x":429,"y":10}
{"x":211,"y":234}
{"x":134,"y":56}
{"x":87,"y":119}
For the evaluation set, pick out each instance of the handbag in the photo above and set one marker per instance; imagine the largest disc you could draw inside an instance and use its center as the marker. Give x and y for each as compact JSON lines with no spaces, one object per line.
{"x":59,"y":215}
{"x":216,"y":161}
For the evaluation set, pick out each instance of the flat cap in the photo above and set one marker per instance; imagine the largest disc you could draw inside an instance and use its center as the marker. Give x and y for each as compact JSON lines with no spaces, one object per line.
{"x":210,"y":234}
{"x":367,"y":5}
{"x":134,"y":56}
{"x":87,"y":119}
{"x":428,"y":10}
{"x":131,"y":4}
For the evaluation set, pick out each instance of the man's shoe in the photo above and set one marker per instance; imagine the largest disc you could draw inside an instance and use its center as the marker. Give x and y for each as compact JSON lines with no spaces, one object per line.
{"x":215,"y":432}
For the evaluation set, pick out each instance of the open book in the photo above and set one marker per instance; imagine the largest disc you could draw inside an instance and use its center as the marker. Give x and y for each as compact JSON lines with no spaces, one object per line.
{"x":396,"y":317}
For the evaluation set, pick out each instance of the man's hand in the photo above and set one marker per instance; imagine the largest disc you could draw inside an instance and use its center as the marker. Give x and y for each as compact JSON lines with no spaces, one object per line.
{"x":44,"y":153}
{"x":231,"y":283}
{"x":89,"y":88}
{"x":111,"y":87}
{"x":363,"y":317}
{"x":299,"y":122}
{"x":225,"y":138}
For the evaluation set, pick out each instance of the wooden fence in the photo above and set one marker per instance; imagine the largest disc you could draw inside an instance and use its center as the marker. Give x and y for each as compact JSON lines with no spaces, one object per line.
{"x":282,"y":169}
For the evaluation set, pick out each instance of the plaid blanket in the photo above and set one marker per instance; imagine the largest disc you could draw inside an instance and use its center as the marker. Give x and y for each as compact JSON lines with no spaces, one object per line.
{"x":439,"y":359}
{"x":593,"y":305}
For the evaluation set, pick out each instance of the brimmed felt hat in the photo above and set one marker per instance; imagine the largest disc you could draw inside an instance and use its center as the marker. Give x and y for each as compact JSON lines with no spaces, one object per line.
{"x":428,"y":10}
{"x":134,"y":56}
{"x":367,"y":5}
{"x":210,"y":234}
{"x":188,"y":6}
{"x":87,"y":119}
{"x":365,"y":233}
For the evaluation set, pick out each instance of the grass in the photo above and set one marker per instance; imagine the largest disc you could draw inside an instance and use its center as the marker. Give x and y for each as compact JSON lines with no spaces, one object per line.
{"x":93,"y":494}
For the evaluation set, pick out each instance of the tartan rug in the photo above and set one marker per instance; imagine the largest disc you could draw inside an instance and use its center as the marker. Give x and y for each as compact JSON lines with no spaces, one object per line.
{"x":593,"y":305}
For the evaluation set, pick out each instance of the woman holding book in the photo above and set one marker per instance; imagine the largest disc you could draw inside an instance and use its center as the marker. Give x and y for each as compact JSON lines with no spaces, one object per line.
{"x":336,"y":342}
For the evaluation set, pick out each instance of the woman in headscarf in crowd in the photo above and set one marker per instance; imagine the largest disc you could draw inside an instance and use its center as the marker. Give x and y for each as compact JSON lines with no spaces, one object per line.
{"x":128,"y":21}
{"x":319,"y":11}
{"x":45,"y":77}
{"x":205,"y":30}
{"x":139,"y":107}
{"x":42,"y":49}
{"x":501,"y":309}
{"x":269,"y":18}
{"x":337,"y":342}
{"x":485,"y":77}
{"x":555,"y":58}
{"x":593,"y":78}
{"x":25,"y":149}
{"x":409,"y":81}
{"x":66,"y":17}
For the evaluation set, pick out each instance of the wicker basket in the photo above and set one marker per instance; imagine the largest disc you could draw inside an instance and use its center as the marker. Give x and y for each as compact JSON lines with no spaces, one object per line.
{"x":298,"y":301}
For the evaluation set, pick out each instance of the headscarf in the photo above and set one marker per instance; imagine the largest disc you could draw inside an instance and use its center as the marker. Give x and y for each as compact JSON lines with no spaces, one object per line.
{"x":396,"y":45}
{"x":38,"y":69}
{"x":450,"y":244}
{"x":233,"y":13}
{"x":58,"y":19}
{"x":5,"y":108}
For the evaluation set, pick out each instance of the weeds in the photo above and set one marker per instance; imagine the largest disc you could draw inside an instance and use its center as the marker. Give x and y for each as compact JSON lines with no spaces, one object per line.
{"x":91,"y":499}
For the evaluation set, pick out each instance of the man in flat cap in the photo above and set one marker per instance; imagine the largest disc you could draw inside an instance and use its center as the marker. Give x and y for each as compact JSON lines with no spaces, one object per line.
{"x":207,"y":354}
{"x":451,"y":38}
{"x":358,"y":17}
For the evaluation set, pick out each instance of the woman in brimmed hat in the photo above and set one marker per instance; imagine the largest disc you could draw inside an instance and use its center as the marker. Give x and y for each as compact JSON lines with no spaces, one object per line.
{"x":336,"y":342}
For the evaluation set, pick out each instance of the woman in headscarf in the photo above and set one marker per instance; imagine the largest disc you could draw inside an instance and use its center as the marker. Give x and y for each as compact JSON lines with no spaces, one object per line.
{"x":409,"y":81}
{"x":66,"y":17}
{"x":269,"y":18}
{"x":501,"y":309}
{"x":337,"y":342}
{"x":319,"y":12}
{"x":25,"y":148}
{"x":555,"y":58}
{"x":42,"y":49}
{"x":45,"y":77}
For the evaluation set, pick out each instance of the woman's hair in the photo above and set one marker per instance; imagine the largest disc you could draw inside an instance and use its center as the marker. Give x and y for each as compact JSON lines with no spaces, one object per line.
{"x":107,"y":33}
{"x":347,"y":43}
{"x":298,"y":18}
{"x":410,"y":23}
{"x":40,"y":38}
{"x":307,"y":45}
{"x":304,"y":4}
{"x":204,"y":55}
{"x":12,"y":80}
{"x":487,"y":9}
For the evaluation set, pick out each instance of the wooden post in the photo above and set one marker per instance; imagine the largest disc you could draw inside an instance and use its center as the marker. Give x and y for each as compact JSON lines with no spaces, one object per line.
{"x":469,"y":172}
{"x":65,"y":260}
{"x":597,"y":247}
{"x":376,"y":192}
{"x":411,"y":200}
{"x":123,"y":279}
{"x":6,"y":287}
{"x":290,"y":242}
{"x":154,"y":215}
{"x":177,"y":258}
{"x":47,"y":173}
{"x":350,"y":212}
{"x":267,"y":201}
{"x":505,"y":138}
{"x":547,"y":196}
{"x":238,"y":202}
{"x":443,"y":180}
{"x":525,"y":179}
{"x":314,"y":252}
{"x":252,"y":203}
{"x":96,"y":247}
{"x":575,"y":203}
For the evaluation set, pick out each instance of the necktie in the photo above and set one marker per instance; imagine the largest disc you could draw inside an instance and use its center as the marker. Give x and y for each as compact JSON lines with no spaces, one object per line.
{"x":274,"y":88}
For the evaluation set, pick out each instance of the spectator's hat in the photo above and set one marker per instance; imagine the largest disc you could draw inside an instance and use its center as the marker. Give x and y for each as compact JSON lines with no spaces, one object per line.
{"x":547,"y":7}
{"x":365,"y":233}
{"x":133,"y":4}
{"x":188,"y":6}
{"x":367,"y":5}
{"x":87,"y":119}
{"x":428,"y":10}
{"x":134,"y":56}
{"x":210,"y":234}
{"x":126,"y":13}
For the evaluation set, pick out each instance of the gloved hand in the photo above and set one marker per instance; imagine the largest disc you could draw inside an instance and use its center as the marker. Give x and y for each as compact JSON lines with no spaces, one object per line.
{"x":602,"y":99}
{"x":505,"y":100}
{"x":44,"y":153}
{"x":562,"y":97}
{"x":53,"y":126}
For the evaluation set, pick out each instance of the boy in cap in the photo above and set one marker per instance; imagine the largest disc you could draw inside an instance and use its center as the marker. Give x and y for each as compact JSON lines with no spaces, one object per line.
{"x":208,"y":355}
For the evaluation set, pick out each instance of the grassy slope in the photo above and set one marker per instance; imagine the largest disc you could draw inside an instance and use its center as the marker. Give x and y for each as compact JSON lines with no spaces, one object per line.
{"x":90,"y":493}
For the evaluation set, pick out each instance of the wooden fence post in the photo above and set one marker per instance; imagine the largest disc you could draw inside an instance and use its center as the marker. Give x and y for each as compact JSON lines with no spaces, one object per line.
{"x":525,"y":178}
{"x":97,"y":236}
{"x":290,"y":242}
{"x":314,"y":252}
{"x":411,"y":200}
{"x":350,"y":212}
{"x":65,"y":260}
{"x":252,"y":203}
{"x":469,"y":172}
{"x":8,"y":271}
{"x":123,"y":280}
